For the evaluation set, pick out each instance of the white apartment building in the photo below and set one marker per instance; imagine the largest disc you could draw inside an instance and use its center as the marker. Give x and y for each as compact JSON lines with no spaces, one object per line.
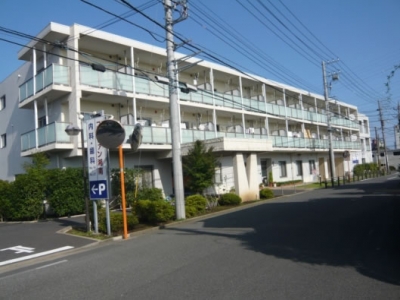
{"x":256,"y":125}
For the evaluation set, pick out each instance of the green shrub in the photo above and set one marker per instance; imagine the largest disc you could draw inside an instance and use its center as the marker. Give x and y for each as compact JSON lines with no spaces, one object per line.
{"x":6,"y":208}
{"x":150,"y":194}
{"x":161,"y":211}
{"x":190,"y":211}
{"x":116,"y":222}
{"x":360,"y":169}
{"x":142,"y":210}
{"x":230,"y":199}
{"x":65,"y":191}
{"x":266,"y":193}
{"x":158,"y":211}
{"x":198,"y":202}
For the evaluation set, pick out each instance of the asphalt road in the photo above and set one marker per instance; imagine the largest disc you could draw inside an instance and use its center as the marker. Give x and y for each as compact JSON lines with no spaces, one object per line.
{"x":19,"y":241}
{"x":340,"y":243}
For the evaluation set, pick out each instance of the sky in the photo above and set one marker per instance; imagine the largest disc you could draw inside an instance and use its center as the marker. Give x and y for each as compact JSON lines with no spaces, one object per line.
{"x":282,"y":40}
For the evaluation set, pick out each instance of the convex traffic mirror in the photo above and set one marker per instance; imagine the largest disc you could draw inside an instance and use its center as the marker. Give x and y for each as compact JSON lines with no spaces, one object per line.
{"x":110,"y":134}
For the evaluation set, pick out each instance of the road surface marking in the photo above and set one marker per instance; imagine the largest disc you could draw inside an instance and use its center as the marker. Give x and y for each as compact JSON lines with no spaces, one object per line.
{"x":53,"y":264}
{"x":11,"y":261}
{"x":19,"y":249}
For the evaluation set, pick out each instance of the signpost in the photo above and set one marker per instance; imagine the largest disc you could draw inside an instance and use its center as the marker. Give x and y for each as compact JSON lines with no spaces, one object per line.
{"x":110,"y":134}
{"x":97,"y":166}
{"x":98,"y":189}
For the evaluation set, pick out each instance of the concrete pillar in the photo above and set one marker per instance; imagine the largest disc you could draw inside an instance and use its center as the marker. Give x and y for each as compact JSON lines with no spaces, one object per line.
{"x":246,"y":176}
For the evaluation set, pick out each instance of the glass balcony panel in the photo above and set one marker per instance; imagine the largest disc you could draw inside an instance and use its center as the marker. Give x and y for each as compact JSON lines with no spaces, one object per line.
{"x":28,"y":140}
{"x":221,"y":134}
{"x":269,"y":108}
{"x":46,"y":135}
{"x":39,"y":82}
{"x":142,"y":86}
{"x":60,"y":134}
{"x":158,"y":89}
{"x":147,"y":133}
{"x":198,"y":135}
{"x":187,"y":135}
{"x":29,"y":88}
{"x":228,"y":101}
{"x":124,"y":82}
{"x":184,"y":96}
{"x":261,"y":106}
{"x":88,"y":76}
{"x":219,"y":99}
{"x":200,"y":97}
{"x":160,"y":135}
{"x":48,"y":76}
{"x":282,"y":110}
{"x":255,"y":104}
{"x":209,"y":135}
{"x":60,"y":74}
{"x":246,"y":104}
{"x":107,"y":80}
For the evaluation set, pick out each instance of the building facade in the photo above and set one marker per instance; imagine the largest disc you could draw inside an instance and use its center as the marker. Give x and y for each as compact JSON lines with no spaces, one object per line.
{"x":257,"y":127}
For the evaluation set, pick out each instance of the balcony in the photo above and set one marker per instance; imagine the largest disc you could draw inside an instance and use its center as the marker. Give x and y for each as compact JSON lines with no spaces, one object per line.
{"x":146,"y":86}
{"x":54,"y":133}
{"x":50,"y":134}
{"x":53,"y":74}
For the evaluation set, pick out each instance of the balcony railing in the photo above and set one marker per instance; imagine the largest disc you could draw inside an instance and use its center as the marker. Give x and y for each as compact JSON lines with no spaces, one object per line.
{"x":55,"y":133}
{"x":52,"y":133}
{"x":53,"y":74}
{"x":120,"y":81}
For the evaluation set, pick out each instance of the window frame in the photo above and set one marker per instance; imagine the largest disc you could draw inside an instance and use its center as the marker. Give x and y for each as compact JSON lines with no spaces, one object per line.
{"x":282,"y":169}
{"x":312,"y":166}
{"x":299,"y":166}
{"x":3,"y":102}
{"x":3,"y":141}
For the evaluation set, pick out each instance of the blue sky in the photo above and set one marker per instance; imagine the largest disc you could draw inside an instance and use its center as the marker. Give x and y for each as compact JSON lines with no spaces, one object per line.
{"x":293,"y":37}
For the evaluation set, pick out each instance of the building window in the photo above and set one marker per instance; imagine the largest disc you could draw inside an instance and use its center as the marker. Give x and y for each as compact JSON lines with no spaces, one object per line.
{"x":282,"y":169}
{"x":3,"y":141}
{"x":145,"y":176}
{"x":42,"y":122}
{"x":264,"y":168}
{"x":312,"y":166}
{"x":299,"y":165}
{"x":218,"y":173}
{"x":3,"y":102}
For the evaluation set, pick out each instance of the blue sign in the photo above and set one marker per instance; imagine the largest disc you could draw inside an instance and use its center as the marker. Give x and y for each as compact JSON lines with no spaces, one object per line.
{"x":98,"y":189}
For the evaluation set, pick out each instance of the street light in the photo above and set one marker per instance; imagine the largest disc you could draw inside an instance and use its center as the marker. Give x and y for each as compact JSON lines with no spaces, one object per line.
{"x":72,"y":130}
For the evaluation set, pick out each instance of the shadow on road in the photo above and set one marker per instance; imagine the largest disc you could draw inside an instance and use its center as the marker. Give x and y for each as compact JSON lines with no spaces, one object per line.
{"x":358,"y":229}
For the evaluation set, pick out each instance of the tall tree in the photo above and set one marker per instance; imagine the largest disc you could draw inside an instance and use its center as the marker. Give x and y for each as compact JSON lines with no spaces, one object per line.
{"x":199,"y":167}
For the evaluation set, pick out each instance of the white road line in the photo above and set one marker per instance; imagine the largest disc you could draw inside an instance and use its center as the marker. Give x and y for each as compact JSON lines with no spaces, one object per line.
{"x":53,"y":264}
{"x":11,"y":261}
{"x":392,"y":178}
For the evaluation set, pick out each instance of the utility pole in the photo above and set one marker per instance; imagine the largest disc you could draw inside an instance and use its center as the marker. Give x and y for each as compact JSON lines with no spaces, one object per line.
{"x":377,"y":148}
{"x":383,"y":137}
{"x":328,"y":115}
{"x":174,"y":106}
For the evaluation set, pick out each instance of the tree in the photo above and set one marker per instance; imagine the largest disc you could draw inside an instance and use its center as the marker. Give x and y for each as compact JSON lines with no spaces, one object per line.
{"x":5,"y":202}
{"x":199,"y":167}
{"x":65,"y":191}
{"x":28,"y":190}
